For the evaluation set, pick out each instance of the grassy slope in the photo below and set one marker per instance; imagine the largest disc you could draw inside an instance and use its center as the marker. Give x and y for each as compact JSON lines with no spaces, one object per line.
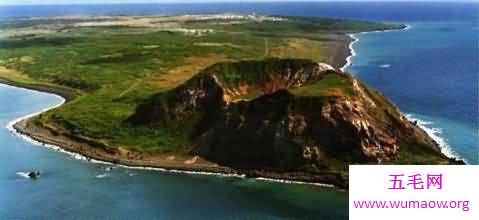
{"x":113,"y":69}
{"x":330,"y":84}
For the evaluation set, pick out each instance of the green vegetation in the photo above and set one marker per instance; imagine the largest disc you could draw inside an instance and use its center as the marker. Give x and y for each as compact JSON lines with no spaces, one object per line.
{"x":413,"y":153}
{"x":112,"y":69}
{"x":251,"y":71}
{"x":332,"y":84}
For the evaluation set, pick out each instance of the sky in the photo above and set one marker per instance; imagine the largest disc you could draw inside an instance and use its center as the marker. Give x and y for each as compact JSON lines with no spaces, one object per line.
{"x":36,"y":2}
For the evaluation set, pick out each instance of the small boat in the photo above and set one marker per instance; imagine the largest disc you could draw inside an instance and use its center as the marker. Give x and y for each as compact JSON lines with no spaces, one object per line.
{"x":34,"y":174}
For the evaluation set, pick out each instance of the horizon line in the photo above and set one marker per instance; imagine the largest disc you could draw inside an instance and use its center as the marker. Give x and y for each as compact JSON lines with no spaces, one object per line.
{"x":239,"y":2}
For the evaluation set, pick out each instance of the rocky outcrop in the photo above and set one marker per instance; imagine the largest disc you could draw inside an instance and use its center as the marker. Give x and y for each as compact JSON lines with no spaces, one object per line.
{"x":249,"y":116}
{"x":200,"y":94}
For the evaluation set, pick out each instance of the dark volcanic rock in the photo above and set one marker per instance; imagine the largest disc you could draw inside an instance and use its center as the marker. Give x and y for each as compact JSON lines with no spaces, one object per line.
{"x":200,"y":94}
{"x":282,"y":131}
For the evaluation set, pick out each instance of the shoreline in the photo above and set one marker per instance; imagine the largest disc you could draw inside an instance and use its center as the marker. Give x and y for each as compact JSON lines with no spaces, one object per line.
{"x":19,"y":128}
{"x":65,"y":93}
{"x":432,"y":132}
{"x":355,"y":39}
{"x":352,"y":52}
{"x":93,"y":151}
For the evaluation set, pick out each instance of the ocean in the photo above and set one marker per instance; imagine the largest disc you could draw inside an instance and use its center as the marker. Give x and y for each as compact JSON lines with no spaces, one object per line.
{"x":429,"y":71}
{"x":71,"y":188}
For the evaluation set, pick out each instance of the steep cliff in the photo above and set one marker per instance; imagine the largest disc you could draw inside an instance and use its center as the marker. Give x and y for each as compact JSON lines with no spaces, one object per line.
{"x":289,"y":117}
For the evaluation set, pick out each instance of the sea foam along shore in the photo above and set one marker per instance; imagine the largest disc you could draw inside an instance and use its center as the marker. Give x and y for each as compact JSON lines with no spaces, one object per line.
{"x":434,"y":133}
{"x":10,"y":126}
{"x":355,"y":39}
{"x":351,"y":51}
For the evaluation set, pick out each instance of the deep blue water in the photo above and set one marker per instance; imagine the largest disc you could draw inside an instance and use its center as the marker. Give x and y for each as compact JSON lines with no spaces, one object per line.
{"x":76,"y":189}
{"x":432,"y":73}
{"x":394,"y":11}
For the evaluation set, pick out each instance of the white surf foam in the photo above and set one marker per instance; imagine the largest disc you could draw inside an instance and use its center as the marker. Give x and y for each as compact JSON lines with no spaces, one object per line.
{"x":10,"y":127}
{"x":109,"y":168}
{"x":23,"y":174}
{"x":294,"y":182}
{"x":356,"y":39}
{"x":435,"y":134}
{"x":12,"y":123}
{"x":352,"y":51}
{"x":385,"y":66}
{"x":103,"y":175}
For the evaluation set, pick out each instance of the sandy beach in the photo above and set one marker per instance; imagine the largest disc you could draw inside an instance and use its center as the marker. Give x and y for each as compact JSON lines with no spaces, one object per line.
{"x":96,"y":151}
{"x":353,"y":39}
{"x":432,"y":132}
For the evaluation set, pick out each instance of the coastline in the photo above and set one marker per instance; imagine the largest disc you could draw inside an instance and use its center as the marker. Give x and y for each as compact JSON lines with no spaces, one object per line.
{"x":352,"y":52}
{"x":23,"y":128}
{"x":432,"y":132}
{"x":65,"y":93}
{"x":355,"y":39}
{"x":94,"y":151}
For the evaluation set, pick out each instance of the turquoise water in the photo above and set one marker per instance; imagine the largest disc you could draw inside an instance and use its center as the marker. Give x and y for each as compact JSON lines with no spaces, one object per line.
{"x":429,"y":71}
{"x":75,"y":189}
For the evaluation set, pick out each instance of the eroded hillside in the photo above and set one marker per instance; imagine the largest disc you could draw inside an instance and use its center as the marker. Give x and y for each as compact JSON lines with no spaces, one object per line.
{"x":288,"y":115}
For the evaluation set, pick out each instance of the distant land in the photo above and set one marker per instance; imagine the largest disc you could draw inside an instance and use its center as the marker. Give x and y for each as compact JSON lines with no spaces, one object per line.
{"x":231,"y":93}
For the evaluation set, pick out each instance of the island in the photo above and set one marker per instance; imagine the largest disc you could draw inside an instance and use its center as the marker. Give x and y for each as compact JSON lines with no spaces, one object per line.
{"x":254,"y":95}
